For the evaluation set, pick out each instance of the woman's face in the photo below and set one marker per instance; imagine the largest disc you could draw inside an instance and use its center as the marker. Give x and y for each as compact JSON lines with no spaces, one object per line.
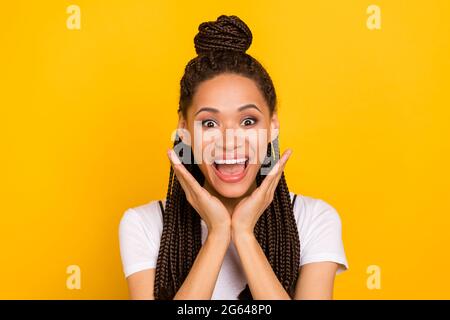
{"x":229,"y":126}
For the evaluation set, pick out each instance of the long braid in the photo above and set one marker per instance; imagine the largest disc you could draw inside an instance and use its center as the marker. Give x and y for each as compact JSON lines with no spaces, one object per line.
{"x":180,"y":242}
{"x":221,"y":47}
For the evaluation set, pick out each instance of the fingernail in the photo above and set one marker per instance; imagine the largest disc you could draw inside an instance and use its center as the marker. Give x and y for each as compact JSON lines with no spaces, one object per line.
{"x":287,"y":154}
{"x":174,"y":157}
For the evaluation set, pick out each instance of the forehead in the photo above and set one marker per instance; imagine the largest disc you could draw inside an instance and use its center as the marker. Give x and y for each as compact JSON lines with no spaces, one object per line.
{"x":227,"y":92}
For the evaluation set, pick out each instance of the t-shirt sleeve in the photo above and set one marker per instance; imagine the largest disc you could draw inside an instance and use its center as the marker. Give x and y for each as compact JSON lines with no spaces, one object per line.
{"x":137,"y":245}
{"x":322,"y":236}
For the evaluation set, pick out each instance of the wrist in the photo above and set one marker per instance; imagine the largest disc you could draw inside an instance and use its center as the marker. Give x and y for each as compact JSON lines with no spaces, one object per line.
{"x":238,"y":234}
{"x":221,"y":235}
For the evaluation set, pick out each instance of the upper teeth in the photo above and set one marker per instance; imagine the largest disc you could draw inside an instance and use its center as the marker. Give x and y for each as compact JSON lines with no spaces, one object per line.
{"x":230,"y":161}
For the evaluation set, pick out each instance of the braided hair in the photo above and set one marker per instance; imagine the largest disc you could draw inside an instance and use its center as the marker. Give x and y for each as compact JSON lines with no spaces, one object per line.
{"x":221,"y":47}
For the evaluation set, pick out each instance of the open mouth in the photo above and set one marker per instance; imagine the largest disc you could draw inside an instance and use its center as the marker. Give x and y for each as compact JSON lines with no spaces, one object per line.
{"x":231,"y":170}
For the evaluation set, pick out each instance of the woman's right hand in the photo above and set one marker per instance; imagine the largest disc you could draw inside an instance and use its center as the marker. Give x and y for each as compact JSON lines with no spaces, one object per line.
{"x":210,"y":208}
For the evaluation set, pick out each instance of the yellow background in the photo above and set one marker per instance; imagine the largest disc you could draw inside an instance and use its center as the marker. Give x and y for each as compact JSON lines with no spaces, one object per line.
{"x":86,"y":117}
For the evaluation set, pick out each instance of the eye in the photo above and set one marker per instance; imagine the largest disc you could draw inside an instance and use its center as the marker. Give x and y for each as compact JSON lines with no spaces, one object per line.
{"x":248,"y":121}
{"x":208,"y":123}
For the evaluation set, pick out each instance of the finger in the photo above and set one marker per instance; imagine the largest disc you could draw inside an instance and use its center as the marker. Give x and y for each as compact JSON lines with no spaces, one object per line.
{"x":277,"y":169}
{"x":286,"y":156}
{"x":177,"y":168}
{"x":271,"y":181}
{"x":269,"y":184}
{"x":175,"y":163}
{"x":189,"y":183}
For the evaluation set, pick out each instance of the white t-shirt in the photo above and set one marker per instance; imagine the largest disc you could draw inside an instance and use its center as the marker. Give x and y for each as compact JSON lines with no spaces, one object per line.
{"x":318,"y":223}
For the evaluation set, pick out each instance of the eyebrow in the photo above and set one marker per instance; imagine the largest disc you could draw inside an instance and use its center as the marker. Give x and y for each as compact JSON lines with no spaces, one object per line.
{"x":214,"y":110}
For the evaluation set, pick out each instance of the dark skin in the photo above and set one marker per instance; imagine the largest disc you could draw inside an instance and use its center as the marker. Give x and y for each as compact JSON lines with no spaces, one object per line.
{"x":231,"y":210}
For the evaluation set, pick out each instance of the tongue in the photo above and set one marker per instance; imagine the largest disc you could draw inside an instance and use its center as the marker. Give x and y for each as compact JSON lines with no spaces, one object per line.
{"x":230,"y":169}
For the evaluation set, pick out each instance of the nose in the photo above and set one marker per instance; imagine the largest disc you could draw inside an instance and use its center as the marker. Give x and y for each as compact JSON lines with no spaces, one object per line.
{"x":230,"y":144}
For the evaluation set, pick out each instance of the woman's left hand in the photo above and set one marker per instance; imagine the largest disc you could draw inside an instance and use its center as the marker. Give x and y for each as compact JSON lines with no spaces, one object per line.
{"x":250,"y":208}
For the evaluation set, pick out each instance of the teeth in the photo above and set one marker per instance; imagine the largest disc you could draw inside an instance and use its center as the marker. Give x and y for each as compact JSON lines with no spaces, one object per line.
{"x":230,"y":161}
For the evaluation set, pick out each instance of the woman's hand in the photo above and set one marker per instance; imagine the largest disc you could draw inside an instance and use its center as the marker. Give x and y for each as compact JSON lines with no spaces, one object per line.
{"x":210,"y":208}
{"x":250,"y":208}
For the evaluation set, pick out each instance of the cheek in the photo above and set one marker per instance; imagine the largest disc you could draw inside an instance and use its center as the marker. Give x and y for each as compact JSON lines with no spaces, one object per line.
{"x":202,"y":150}
{"x":204,"y":146}
{"x":204,"y":169}
{"x":258,"y":148}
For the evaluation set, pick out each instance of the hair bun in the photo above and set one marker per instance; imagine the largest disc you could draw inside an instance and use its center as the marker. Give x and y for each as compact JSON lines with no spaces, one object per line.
{"x":226,"y":33}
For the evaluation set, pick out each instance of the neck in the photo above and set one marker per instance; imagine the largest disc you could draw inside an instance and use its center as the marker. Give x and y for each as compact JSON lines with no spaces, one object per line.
{"x":229,"y":203}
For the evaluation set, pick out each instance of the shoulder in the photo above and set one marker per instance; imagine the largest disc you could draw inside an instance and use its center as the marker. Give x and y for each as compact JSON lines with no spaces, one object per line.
{"x":143,"y":223}
{"x":310,"y":210}
{"x":140,"y":230}
{"x":320,"y":231}
{"x":146,"y":215}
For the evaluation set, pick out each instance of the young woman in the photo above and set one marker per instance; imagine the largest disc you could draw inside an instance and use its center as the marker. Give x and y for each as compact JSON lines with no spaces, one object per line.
{"x":228,"y":229}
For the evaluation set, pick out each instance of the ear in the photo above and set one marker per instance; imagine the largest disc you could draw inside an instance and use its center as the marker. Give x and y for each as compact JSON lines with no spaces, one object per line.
{"x":274,"y":127}
{"x":182,"y":131}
